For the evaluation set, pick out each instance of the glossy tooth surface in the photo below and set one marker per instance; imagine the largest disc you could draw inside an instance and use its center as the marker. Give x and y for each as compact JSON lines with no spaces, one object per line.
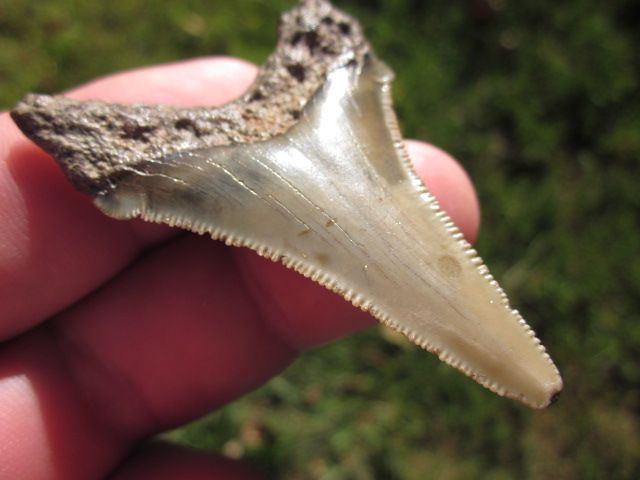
{"x":335,"y":199}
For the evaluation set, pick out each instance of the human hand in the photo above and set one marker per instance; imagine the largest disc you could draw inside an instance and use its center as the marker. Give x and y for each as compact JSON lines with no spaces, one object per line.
{"x":113,"y":331}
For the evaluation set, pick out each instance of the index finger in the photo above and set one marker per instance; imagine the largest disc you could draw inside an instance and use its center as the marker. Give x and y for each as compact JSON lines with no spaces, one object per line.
{"x":55,"y":246}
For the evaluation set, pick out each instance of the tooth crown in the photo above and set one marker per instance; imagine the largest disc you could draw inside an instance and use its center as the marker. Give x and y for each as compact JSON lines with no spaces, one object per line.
{"x":331,"y":194}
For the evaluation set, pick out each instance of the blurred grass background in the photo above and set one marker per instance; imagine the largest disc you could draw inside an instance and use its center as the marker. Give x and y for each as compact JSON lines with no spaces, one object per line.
{"x":540,"y":101}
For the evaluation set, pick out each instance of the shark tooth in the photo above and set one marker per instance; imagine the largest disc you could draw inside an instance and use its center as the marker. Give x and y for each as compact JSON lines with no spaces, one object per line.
{"x":307,"y":168}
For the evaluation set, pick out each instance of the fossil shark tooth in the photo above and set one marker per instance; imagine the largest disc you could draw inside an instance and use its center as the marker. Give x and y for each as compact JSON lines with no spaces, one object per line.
{"x":307,"y":168}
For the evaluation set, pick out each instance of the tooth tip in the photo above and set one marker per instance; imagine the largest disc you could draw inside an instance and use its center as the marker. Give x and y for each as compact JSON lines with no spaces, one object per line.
{"x":552,"y":395}
{"x":554,"y":398}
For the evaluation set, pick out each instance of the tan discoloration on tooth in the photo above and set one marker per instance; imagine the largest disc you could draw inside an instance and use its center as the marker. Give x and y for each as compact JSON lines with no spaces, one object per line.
{"x":329,"y":191}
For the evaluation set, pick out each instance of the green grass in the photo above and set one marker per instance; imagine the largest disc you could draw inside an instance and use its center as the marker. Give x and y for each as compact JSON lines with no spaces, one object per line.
{"x":540,"y":101}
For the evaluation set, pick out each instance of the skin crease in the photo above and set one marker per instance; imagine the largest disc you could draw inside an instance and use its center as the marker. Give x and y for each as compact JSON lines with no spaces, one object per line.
{"x":112,"y":331}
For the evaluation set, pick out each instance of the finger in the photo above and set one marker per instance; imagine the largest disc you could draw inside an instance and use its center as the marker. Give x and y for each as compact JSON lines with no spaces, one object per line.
{"x":173,"y":337}
{"x":48,"y":431}
{"x":202,"y":81}
{"x":302,"y":319}
{"x":55,"y":246}
{"x":449,"y":182}
{"x":159,"y":461}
